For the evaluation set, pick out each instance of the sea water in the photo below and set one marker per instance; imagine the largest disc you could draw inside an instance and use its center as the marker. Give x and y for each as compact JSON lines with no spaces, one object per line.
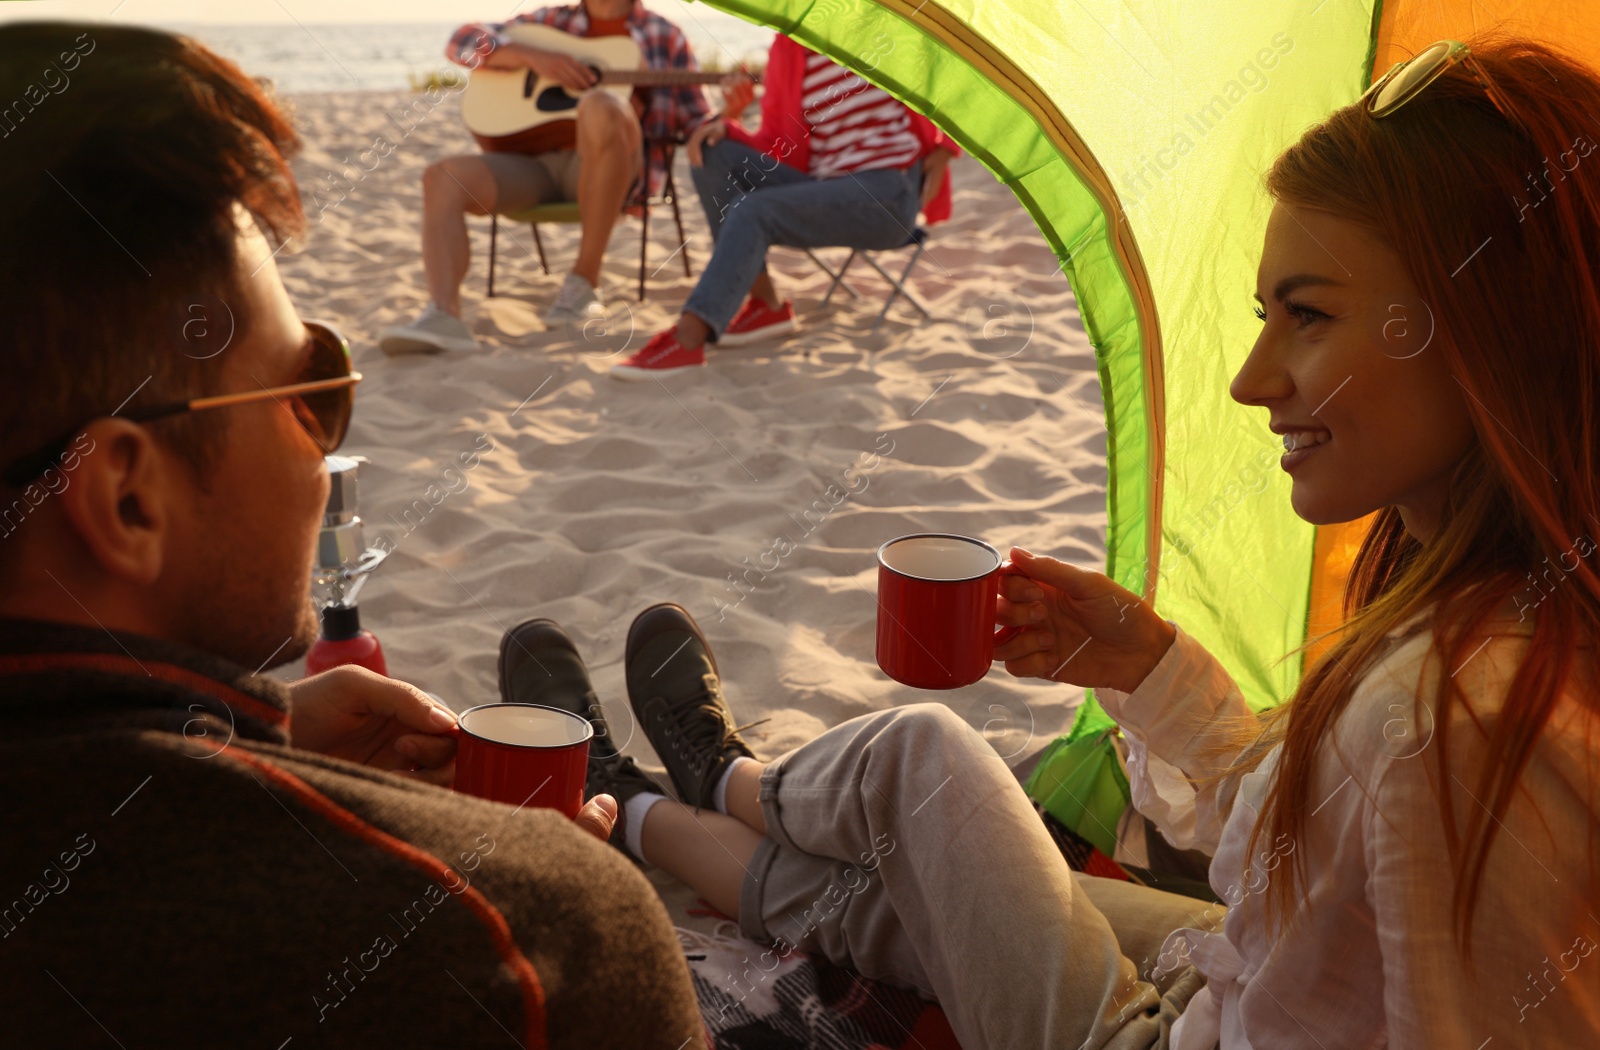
{"x":384,"y":57}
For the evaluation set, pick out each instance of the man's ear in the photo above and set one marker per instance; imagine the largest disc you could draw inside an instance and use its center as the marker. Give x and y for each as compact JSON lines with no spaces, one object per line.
{"x":118,"y":498}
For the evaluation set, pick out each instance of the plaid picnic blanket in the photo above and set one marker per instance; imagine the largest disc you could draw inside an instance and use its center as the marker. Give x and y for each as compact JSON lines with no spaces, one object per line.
{"x":753,"y":998}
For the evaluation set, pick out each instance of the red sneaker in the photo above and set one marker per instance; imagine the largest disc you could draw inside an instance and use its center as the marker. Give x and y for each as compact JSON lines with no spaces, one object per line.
{"x":757,"y":321}
{"x":660,"y":356}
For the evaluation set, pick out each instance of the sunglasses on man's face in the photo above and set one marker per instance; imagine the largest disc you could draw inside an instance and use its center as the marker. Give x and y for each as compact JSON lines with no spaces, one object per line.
{"x":321,"y":398}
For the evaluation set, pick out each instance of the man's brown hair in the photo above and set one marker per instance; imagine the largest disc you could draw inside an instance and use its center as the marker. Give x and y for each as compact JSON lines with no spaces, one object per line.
{"x":123,"y":155}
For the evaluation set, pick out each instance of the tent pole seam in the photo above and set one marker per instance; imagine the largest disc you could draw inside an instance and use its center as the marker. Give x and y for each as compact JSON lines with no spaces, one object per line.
{"x":960,"y":39}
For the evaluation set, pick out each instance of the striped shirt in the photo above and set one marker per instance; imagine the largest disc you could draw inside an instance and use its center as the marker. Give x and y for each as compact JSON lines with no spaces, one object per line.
{"x":854,"y":126}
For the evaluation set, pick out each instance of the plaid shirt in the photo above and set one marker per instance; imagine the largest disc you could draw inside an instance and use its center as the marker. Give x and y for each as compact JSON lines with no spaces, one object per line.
{"x":673,"y":112}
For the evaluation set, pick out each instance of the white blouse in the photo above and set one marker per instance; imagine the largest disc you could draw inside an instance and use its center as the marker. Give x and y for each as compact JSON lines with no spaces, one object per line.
{"x":1371,"y":959}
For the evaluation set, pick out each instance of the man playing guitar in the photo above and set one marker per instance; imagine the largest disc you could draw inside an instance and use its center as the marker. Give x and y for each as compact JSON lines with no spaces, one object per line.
{"x":593,"y":160}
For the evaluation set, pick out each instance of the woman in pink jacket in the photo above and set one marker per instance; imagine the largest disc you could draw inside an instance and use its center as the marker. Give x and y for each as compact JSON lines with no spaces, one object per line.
{"x":835,"y":162}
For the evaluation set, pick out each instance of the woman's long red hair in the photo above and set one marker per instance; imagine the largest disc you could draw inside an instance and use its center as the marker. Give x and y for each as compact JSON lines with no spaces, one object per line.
{"x":1446,"y":179}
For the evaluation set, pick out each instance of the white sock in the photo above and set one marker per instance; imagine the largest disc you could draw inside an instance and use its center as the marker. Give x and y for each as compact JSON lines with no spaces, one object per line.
{"x":719,"y":797}
{"x":633,"y":813}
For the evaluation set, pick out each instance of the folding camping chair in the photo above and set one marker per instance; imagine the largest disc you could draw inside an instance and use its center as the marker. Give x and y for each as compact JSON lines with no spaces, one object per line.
{"x":897,"y":286}
{"x":567,"y":212}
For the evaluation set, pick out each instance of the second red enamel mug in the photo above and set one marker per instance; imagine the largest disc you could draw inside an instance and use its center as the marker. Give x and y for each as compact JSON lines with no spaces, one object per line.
{"x":936,"y":608}
{"x":525,"y":755}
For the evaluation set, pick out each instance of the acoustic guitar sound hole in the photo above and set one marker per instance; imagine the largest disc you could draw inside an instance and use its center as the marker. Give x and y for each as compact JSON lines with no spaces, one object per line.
{"x":555,"y":100}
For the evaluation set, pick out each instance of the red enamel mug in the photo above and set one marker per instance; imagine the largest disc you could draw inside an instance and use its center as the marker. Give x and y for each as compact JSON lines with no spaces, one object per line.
{"x":936,"y":608}
{"x":524,"y":755}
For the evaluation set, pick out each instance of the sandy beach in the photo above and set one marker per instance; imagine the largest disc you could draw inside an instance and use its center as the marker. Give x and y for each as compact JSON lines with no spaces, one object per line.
{"x":726,"y":491}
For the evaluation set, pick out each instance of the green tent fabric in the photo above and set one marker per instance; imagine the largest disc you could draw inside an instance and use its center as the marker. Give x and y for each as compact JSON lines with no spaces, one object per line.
{"x":1080,"y":782}
{"x":1136,"y":132}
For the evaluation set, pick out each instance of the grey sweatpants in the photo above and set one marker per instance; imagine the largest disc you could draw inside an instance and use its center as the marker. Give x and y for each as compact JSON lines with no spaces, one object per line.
{"x":900,"y":844}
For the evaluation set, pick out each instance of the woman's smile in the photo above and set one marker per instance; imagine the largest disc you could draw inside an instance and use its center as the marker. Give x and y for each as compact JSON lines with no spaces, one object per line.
{"x":1367,"y":419}
{"x":1299,"y":443}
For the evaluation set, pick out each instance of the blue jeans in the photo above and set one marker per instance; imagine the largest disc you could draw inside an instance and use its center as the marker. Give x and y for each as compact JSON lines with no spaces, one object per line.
{"x":753,"y":200}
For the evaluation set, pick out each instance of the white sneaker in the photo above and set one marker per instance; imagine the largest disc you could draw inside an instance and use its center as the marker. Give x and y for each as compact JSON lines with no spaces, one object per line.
{"x":577,"y":302}
{"x":432,"y":331}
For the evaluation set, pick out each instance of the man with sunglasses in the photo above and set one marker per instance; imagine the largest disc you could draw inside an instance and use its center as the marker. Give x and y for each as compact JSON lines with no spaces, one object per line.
{"x":197,"y":855}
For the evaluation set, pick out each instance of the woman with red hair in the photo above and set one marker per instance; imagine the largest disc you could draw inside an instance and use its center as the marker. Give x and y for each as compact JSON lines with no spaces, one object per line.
{"x":1406,"y":847}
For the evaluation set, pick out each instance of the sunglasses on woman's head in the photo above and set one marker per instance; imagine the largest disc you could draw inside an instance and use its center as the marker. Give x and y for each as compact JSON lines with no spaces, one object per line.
{"x":321,"y":398}
{"x":1406,"y":80}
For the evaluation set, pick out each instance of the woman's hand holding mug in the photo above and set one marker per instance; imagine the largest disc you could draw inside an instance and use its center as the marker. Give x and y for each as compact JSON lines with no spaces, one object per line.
{"x":1078,"y":626}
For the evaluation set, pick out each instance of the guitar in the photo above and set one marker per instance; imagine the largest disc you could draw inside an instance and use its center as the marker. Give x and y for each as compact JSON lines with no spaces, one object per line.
{"x":502,"y":106}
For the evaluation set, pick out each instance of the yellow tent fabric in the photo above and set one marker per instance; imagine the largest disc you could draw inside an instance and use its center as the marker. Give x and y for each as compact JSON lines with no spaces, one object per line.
{"x":1136,"y":132}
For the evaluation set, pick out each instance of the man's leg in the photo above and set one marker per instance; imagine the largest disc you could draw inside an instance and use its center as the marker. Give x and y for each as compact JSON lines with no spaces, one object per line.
{"x":471,"y":184}
{"x":901,"y":844}
{"x":609,"y":144}
{"x":452,"y":188}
